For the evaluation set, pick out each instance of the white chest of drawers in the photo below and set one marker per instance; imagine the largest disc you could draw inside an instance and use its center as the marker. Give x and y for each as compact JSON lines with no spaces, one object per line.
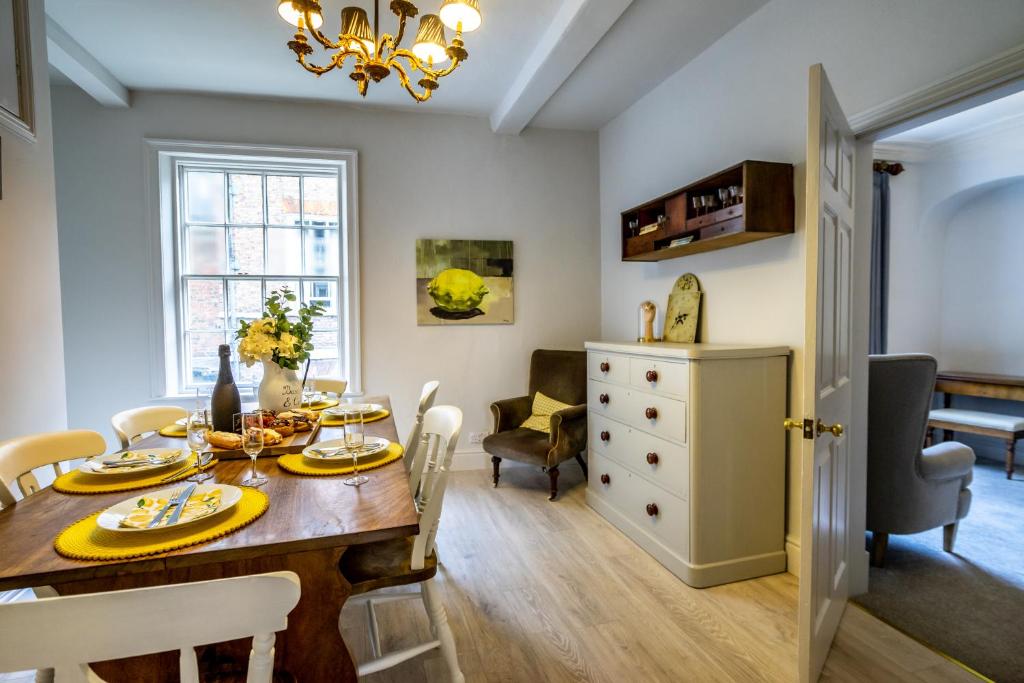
{"x":687,"y":454}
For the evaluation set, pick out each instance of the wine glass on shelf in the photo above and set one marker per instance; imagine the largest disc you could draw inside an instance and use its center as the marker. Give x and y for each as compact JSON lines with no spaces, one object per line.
{"x":723,"y":196}
{"x":697,"y":204}
{"x":197,"y":432}
{"x":355,"y":441}
{"x":252,"y":444}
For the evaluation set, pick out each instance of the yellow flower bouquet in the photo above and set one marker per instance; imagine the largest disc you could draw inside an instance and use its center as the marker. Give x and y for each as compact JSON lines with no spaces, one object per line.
{"x":277,"y":338}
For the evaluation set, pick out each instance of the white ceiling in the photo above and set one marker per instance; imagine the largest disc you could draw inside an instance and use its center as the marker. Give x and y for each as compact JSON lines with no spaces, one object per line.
{"x":963,"y":123}
{"x":239,"y":47}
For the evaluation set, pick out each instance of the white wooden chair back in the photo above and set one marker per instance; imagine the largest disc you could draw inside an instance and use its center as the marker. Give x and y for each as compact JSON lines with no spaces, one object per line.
{"x":63,"y":633}
{"x":130,"y":425}
{"x":413,"y":444}
{"x":441,"y":428}
{"x":22,"y":454}
{"x":329,"y":385}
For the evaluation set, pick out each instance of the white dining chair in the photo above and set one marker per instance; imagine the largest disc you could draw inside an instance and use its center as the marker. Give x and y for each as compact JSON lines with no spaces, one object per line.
{"x":411,"y":560}
{"x":132,"y":424}
{"x":67,"y":632}
{"x":22,"y":454}
{"x":413,"y":445}
{"x":329,"y":385}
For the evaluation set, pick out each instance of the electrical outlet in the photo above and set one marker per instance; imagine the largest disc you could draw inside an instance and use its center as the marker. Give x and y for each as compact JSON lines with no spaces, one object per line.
{"x":476,"y":438}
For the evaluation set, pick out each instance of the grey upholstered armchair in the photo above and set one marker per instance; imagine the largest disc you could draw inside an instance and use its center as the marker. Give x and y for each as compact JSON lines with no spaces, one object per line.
{"x":561,"y":375}
{"x":909,"y":489}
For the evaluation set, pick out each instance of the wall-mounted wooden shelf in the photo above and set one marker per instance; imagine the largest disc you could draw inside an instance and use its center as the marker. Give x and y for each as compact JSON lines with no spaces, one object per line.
{"x":764,"y":209}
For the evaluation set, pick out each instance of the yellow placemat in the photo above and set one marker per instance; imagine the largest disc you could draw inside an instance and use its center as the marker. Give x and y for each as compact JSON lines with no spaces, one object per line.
{"x":173,"y":431}
{"x":331,"y":421}
{"x":84,"y":540}
{"x":78,"y":482}
{"x":320,"y":405}
{"x":297,"y":464}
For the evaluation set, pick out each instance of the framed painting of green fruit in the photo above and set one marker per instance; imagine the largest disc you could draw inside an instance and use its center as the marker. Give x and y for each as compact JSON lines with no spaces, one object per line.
{"x":464,"y":282}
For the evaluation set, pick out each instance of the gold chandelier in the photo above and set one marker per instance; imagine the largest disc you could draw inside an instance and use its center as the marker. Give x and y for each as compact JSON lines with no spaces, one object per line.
{"x":376,"y":54}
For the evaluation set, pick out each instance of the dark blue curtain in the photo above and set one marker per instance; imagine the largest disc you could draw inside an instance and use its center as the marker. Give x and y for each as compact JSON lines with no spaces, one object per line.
{"x":880,"y":264}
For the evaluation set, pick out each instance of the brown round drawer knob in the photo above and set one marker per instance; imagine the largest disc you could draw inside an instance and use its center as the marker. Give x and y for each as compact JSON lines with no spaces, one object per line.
{"x":652,"y":375}
{"x":605,"y":479}
{"x":605,"y":367}
{"x":605,"y":436}
{"x":603,"y":398}
{"x":651,"y":413}
{"x":652,"y":509}
{"x":652,"y":458}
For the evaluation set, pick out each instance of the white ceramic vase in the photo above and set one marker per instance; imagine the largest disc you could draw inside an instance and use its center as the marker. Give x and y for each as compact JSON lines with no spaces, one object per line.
{"x":280,"y":388}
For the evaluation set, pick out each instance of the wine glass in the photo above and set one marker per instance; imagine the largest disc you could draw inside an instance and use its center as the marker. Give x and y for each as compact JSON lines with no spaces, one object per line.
{"x":197,"y":431}
{"x":355,"y":440}
{"x":723,"y":196}
{"x":252,"y":444}
{"x":697,"y":205}
{"x":309,"y":394}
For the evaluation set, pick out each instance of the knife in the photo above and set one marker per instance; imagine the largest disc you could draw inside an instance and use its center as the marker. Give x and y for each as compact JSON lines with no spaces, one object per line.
{"x":183,"y":500}
{"x":163,"y":511}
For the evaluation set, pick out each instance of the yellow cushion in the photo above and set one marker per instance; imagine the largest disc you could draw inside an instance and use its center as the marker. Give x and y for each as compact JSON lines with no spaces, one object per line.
{"x":543,"y":407}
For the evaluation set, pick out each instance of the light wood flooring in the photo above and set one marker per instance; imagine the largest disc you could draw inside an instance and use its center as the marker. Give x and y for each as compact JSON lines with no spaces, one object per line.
{"x":539,"y":591}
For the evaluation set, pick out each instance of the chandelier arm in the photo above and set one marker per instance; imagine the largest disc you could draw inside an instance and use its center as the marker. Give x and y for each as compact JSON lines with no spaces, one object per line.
{"x":320,"y":37}
{"x":403,"y":78}
{"x":416,"y":63}
{"x":397,"y":40}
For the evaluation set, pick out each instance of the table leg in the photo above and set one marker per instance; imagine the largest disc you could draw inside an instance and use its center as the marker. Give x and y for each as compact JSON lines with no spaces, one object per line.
{"x":311,"y":649}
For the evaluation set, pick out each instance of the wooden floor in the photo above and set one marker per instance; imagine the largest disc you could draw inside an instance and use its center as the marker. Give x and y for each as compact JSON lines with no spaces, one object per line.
{"x":540,"y":591}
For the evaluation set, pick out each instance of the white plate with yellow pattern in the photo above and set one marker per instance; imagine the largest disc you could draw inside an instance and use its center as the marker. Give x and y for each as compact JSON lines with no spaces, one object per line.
{"x":133,"y":461}
{"x":364,"y":408}
{"x":134,"y":514}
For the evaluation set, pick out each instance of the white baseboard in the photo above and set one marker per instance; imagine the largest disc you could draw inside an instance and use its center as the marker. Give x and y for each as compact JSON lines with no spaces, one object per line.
{"x":793,"y":558}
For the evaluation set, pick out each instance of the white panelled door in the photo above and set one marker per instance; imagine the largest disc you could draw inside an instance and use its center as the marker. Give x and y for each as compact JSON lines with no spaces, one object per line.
{"x":825,"y":466}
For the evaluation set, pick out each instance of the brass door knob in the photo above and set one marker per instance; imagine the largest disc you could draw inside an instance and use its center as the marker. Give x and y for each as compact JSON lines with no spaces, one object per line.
{"x":651,"y":413}
{"x":603,"y":398}
{"x":652,"y":375}
{"x":790,"y":423}
{"x":605,"y":367}
{"x":605,"y":479}
{"x":836,"y":429}
{"x":652,"y":509}
{"x":652,"y":458}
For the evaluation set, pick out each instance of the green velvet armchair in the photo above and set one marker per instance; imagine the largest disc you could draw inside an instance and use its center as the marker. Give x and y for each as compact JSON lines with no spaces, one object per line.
{"x":561,"y":375}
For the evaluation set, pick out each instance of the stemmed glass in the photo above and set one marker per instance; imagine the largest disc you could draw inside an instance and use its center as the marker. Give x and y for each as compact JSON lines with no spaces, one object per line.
{"x":252,"y":444}
{"x":309,"y":394}
{"x":355,"y":440}
{"x":197,"y":430}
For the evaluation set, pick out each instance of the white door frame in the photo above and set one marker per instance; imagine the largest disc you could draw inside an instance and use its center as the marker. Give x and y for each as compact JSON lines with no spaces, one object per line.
{"x":986,"y":81}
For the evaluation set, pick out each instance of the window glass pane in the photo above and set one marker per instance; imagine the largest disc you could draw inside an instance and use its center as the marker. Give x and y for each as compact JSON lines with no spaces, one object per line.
{"x":245,"y":250}
{"x":284,"y":251}
{"x":320,"y":201}
{"x":245,"y":301}
{"x":326,"y":293}
{"x":246,"y":198}
{"x":205,"y":196}
{"x":321,"y":252}
{"x":202,"y":361}
{"x":283,"y":200}
{"x":205,"y":304}
{"x":205,"y":250}
{"x":325,"y":353}
{"x":278,"y":285}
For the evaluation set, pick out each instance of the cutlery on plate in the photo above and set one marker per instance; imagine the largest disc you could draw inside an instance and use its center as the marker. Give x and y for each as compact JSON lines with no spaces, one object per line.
{"x":115,"y":465}
{"x":182,"y":501}
{"x":204,"y":460}
{"x":164,"y":509}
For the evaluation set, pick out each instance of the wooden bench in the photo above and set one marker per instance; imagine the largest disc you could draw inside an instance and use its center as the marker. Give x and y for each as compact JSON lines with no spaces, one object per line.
{"x":1009,"y":428}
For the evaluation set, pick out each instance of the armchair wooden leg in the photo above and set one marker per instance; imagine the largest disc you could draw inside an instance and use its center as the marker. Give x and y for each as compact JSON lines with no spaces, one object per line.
{"x":553,"y":474}
{"x":496,"y":463}
{"x":583,"y":465}
{"x":1011,"y":447}
{"x":879,"y":542}
{"x":949,"y":536}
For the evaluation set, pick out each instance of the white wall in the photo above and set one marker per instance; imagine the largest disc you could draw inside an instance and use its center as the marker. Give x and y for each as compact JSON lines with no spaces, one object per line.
{"x":31,"y":347}
{"x":746,"y":98}
{"x":421,"y":175}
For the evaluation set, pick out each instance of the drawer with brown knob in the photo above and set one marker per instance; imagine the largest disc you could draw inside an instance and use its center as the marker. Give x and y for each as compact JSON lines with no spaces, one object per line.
{"x":663,"y":416}
{"x":642,"y":505}
{"x":608,"y":367}
{"x":660,"y":376}
{"x":607,"y":399}
{"x":661,"y":462}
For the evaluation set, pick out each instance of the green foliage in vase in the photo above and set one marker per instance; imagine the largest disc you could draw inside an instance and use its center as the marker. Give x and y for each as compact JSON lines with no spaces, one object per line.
{"x":278,"y":336}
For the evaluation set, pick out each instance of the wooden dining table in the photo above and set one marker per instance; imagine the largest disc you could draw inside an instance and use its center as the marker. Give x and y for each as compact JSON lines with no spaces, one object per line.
{"x":306,"y":529}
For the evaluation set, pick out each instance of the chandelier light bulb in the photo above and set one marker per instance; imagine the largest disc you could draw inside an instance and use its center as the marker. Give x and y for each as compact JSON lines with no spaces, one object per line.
{"x":292,"y":13}
{"x":430,"y":44}
{"x":461,"y":15}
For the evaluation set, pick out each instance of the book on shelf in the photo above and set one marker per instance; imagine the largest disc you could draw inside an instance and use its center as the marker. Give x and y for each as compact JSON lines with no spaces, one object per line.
{"x":680,"y":241}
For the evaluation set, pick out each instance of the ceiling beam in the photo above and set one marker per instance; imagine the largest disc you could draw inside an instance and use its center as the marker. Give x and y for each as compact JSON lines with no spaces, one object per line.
{"x":74,"y":61}
{"x":577,"y":27}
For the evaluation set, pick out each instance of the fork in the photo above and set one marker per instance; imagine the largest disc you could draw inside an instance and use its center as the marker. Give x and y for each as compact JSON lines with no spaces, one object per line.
{"x":163,"y":511}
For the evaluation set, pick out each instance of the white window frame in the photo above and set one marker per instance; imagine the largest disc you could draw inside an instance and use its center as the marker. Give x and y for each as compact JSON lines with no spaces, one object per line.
{"x":163,"y":158}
